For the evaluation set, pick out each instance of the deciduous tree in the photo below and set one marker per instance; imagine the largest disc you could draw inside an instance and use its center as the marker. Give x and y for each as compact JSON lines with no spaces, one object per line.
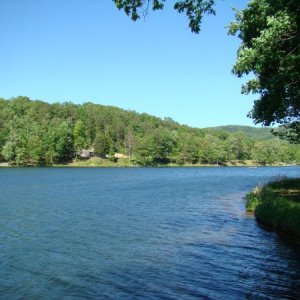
{"x":269,"y":30}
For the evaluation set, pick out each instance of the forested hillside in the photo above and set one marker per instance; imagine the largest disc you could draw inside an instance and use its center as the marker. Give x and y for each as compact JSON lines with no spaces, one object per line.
{"x":39,"y":133}
{"x":258,"y":133}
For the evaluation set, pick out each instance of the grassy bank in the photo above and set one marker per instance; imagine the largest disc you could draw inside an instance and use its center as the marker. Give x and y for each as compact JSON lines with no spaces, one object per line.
{"x":277,"y":205}
{"x":99,"y":162}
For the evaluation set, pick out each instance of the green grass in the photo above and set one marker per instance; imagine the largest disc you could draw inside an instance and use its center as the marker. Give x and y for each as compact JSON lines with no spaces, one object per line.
{"x":277,"y":205}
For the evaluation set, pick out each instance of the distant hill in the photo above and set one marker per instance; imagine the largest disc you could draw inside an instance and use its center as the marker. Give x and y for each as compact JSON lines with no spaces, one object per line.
{"x":261,"y":133}
{"x":39,"y":133}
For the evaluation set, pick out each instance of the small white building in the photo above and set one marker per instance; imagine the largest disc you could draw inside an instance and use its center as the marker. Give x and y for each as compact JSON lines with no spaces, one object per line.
{"x":85,"y":153}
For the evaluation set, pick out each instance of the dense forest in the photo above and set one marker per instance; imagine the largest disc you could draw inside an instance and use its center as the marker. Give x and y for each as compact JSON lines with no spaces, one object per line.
{"x":39,"y":133}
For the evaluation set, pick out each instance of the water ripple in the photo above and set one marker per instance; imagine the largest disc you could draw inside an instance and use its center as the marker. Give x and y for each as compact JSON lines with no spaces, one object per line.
{"x":139,"y":234}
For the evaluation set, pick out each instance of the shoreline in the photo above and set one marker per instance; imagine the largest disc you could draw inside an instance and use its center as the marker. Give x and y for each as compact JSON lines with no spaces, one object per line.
{"x":87,"y":164}
{"x":276,"y":206}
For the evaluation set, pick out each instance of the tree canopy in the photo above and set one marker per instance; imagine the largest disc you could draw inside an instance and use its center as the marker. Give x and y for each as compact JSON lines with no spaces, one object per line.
{"x":269,"y":30}
{"x":38,"y":133}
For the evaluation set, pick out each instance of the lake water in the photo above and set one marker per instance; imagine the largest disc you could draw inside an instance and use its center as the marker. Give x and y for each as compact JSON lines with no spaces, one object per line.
{"x":140,"y":233}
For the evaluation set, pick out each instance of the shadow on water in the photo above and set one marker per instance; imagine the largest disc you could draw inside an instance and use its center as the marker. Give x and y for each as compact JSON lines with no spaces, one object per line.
{"x":286,"y":238}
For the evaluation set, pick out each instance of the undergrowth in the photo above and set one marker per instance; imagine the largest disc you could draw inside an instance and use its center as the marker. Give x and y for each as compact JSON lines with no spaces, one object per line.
{"x":277,"y":204}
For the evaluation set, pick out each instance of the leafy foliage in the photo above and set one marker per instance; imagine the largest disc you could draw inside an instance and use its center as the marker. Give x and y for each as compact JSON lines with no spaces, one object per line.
{"x":258,"y":133}
{"x":193,"y":9}
{"x":38,"y":133}
{"x":270,"y":36}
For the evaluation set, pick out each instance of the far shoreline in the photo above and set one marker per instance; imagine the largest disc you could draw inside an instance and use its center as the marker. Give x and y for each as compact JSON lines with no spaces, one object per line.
{"x":108,"y":164}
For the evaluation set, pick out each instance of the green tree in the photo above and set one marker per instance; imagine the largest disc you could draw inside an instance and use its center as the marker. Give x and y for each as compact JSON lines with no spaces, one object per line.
{"x":155,"y":147}
{"x":212,"y":150}
{"x":79,"y":135}
{"x":9,"y":150}
{"x":58,"y":140}
{"x":270,"y":36}
{"x":285,"y":153}
{"x":35,"y":144}
{"x":297,"y":156}
{"x":237,"y":147}
{"x":144,"y":151}
{"x":188,"y":151}
{"x":101,"y":144}
{"x":64,"y":141}
{"x":17,"y":146}
{"x":25,"y":143}
{"x":265,"y":152}
{"x":163,"y":144}
{"x":129,"y":143}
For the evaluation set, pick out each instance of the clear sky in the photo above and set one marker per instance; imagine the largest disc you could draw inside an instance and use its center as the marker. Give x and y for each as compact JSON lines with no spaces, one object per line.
{"x":87,"y":50}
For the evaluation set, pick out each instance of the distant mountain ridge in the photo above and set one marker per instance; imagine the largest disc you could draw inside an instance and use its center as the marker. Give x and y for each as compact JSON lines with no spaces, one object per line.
{"x":262,"y":133}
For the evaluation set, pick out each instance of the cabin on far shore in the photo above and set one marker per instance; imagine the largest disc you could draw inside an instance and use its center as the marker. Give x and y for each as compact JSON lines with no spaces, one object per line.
{"x":85,"y":153}
{"x":88,"y":153}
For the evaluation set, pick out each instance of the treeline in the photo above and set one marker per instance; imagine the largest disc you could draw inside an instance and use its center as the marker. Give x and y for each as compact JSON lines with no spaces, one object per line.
{"x":39,"y":133}
{"x":257,"y":133}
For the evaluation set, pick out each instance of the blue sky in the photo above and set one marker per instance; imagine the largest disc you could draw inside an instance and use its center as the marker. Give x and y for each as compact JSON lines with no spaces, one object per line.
{"x":87,"y":50}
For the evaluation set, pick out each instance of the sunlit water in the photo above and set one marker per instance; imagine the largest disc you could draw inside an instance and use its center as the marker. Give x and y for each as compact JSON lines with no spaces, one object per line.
{"x":164,"y":233}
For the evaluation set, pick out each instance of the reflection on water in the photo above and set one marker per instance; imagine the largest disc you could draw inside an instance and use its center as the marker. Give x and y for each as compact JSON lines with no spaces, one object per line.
{"x":177,"y":233}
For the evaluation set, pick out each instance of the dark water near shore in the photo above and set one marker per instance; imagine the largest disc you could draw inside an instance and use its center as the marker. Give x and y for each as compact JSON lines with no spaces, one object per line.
{"x":165,"y":233}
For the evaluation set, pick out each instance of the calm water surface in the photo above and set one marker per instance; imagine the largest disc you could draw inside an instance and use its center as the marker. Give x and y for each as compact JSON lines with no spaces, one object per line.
{"x":169,"y":233}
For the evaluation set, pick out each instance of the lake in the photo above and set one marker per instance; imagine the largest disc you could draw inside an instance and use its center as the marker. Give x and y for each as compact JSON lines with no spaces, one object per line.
{"x":140,"y":233}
